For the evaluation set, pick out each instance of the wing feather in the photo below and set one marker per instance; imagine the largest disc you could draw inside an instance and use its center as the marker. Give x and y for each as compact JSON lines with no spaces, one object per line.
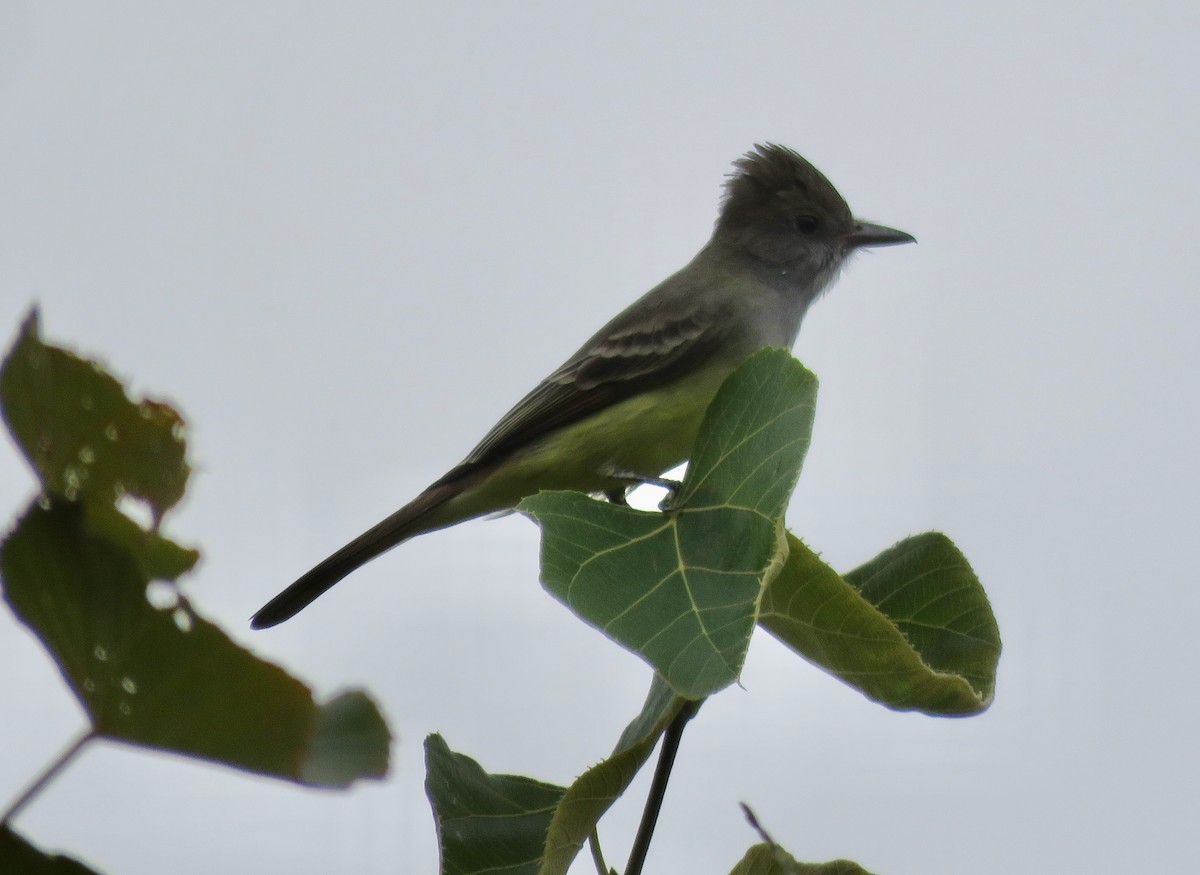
{"x":637,"y":352}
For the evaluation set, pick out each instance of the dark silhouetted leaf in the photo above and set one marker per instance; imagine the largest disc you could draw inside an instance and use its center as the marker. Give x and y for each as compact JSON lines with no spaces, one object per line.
{"x":99,"y":590}
{"x":164,"y":677}
{"x":19,"y":857}
{"x":82,"y":434}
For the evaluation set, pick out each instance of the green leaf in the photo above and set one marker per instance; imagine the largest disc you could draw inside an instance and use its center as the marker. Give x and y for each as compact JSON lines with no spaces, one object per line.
{"x":163,"y":676}
{"x":681,"y":589}
{"x":146,"y":667}
{"x":157,"y":557}
{"x":349,"y":740}
{"x":594,"y":792}
{"x":486,"y":823}
{"x":765,"y":859}
{"x":519,"y":826}
{"x":911,"y":629}
{"x":19,"y":857}
{"x":83,"y":436}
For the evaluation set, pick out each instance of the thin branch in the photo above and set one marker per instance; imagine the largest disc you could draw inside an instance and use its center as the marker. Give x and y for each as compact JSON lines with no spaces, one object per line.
{"x":46,"y":777}
{"x":658,"y":787}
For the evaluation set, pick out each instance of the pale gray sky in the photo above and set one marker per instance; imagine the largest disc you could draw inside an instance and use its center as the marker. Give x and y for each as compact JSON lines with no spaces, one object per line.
{"x":346,"y":237}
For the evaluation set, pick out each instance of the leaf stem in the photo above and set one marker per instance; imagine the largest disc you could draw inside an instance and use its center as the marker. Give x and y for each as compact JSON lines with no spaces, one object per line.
{"x":752,"y":819}
{"x":48,"y":775}
{"x":658,"y":787}
{"x":597,"y":856}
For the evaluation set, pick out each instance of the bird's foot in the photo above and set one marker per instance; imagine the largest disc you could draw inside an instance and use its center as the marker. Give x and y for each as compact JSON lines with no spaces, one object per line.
{"x":633,"y":480}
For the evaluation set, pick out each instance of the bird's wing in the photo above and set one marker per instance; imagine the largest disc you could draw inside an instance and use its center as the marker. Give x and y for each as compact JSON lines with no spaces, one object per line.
{"x":642,"y":349}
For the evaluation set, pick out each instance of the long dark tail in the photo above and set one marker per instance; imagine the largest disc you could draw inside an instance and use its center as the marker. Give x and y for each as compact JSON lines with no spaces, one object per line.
{"x":403,"y":524}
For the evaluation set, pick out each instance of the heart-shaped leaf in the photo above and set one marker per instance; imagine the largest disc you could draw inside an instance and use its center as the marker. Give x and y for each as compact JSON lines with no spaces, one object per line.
{"x":681,"y":589}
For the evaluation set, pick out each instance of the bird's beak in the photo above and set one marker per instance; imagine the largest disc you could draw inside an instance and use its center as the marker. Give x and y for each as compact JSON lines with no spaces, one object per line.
{"x":866,"y":234}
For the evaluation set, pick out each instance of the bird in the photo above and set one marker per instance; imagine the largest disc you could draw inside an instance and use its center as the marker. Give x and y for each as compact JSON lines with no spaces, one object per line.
{"x":627,"y":405}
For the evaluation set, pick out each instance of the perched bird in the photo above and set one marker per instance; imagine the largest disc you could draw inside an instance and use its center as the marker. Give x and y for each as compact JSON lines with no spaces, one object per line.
{"x":627,"y":405}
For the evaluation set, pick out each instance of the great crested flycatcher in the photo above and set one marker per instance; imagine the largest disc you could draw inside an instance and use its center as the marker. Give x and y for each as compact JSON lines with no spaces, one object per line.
{"x":628,"y":404}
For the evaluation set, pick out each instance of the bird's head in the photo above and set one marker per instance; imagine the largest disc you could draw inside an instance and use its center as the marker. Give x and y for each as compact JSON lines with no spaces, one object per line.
{"x":781,"y":210}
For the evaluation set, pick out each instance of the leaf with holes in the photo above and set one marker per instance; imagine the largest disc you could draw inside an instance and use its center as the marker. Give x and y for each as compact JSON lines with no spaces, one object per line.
{"x":99,"y":590}
{"x":82,"y":434}
{"x":163,"y":676}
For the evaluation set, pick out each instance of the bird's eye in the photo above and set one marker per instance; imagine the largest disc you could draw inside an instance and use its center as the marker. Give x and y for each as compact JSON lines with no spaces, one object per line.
{"x":805,"y":224}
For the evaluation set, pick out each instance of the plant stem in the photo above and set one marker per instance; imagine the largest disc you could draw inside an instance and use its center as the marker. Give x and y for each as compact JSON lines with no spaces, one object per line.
{"x":658,"y":787}
{"x":597,"y":856}
{"x":752,"y":819}
{"x":45,"y":777}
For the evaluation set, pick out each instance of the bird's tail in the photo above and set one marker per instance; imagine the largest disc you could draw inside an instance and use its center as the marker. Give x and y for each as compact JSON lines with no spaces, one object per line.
{"x":410,"y":520}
